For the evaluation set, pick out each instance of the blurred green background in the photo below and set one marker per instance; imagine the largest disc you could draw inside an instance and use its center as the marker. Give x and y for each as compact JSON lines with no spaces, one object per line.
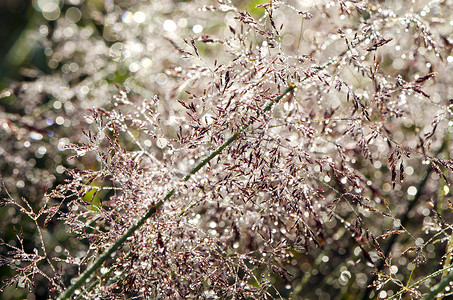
{"x":21,"y":57}
{"x":17,"y":19}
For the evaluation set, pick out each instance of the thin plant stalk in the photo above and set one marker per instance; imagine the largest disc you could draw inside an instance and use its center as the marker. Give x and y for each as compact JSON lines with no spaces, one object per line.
{"x":443,"y":201}
{"x":436,"y":290}
{"x":441,"y":286}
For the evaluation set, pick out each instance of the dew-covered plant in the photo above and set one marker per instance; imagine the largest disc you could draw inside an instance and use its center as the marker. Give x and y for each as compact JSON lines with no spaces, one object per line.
{"x":268,"y":149}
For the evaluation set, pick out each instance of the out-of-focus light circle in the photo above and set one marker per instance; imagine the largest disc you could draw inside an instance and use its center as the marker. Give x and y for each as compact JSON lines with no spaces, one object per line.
{"x":57,"y":104}
{"x":84,"y":89}
{"x":197,"y":28}
{"x":139,"y":17}
{"x":146,"y":62}
{"x":68,"y":32}
{"x":73,"y":67}
{"x":161,"y":79}
{"x":51,"y":11}
{"x":43,"y":30}
{"x":59,"y":120}
{"x":134,"y":67}
{"x":412,"y":190}
{"x":169,"y":26}
{"x":60,"y":169}
{"x":50,"y":8}
{"x":127,"y":17}
{"x":73,"y":14}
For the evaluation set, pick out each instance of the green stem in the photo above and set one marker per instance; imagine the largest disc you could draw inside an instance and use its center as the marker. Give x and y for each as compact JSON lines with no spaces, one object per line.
{"x":434,"y":292}
{"x":101,"y":259}
{"x":441,"y":286}
{"x":152,"y":210}
{"x":104,"y":256}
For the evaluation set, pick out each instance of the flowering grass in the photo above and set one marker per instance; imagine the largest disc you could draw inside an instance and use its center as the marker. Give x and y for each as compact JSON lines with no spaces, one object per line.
{"x":212,"y":150}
